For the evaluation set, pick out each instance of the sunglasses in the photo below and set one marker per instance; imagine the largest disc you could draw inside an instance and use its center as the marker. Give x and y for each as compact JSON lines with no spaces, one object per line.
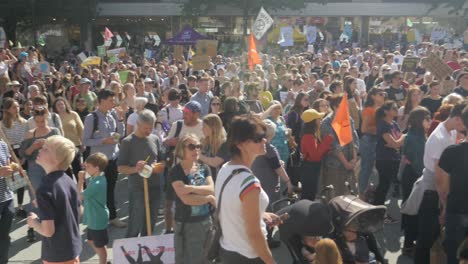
{"x":39,"y":112}
{"x":259,"y":138}
{"x":194,"y":147}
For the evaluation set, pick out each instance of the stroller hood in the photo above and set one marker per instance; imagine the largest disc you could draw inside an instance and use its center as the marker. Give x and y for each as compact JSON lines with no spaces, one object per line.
{"x":350,"y":210}
{"x":306,"y":218}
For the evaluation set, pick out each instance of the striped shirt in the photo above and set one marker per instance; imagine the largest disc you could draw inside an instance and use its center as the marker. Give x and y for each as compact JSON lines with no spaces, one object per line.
{"x":5,"y":193}
{"x":16,"y":133}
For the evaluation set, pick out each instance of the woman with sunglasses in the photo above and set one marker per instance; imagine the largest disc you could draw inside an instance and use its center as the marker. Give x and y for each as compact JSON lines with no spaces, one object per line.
{"x":387,"y":152}
{"x":215,"y":105}
{"x":243,"y":203}
{"x":368,"y":141}
{"x":30,"y":147}
{"x":194,"y":188}
{"x":419,"y":122}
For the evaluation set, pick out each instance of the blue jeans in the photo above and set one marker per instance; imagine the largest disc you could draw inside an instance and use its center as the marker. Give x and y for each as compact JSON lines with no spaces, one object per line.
{"x":367,"y":151}
{"x":6,"y":219}
{"x":456,"y":230}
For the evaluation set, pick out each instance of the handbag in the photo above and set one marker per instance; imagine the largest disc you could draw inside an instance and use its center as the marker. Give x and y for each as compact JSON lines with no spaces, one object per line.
{"x":16,"y":181}
{"x":212,"y":245}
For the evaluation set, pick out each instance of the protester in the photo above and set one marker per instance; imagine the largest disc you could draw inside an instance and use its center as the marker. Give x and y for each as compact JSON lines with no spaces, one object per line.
{"x":137,"y":150}
{"x":140,"y":103}
{"x":433,"y":101}
{"x":95,"y":213}
{"x":280,"y":139}
{"x":215,"y":136}
{"x":450,"y":179}
{"x":72,"y":128}
{"x":412,"y":101}
{"x":203,"y":96}
{"x":412,"y":152}
{"x":15,"y":128}
{"x":58,"y":204}
{"x":6,"y":202}
{"x":246,"y":200}
{"x":194,"y":188}
{"x":313,"y":147}
{"x":102,"y":131}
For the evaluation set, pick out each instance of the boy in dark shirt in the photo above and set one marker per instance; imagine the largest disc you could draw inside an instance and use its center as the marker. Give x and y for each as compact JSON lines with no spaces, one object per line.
{"x":58,"y":204}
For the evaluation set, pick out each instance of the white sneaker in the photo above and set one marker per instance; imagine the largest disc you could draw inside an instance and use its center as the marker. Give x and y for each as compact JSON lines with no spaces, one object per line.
{"x":117,"y":223}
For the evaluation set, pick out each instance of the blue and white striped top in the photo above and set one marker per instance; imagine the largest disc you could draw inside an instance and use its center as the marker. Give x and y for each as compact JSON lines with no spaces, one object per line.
{"x":5,"y":193}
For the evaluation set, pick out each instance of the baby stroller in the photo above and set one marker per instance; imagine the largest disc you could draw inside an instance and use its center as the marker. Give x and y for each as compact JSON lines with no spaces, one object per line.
{"x":353,"y":215}
{"x":306,"y":218}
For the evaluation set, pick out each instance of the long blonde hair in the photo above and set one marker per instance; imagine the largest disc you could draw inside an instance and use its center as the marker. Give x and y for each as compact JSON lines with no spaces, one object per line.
{"x":327,"y":252}
{"x":218,"y":134}
{"x":8,"y":118}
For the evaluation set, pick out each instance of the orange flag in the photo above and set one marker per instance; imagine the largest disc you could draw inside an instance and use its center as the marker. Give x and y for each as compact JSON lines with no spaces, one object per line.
{"x":253,"y":55}
{"x":342,"y":123}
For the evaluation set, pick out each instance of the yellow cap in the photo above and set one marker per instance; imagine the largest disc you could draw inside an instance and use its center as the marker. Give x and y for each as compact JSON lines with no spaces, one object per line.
{"x":310,"y":115}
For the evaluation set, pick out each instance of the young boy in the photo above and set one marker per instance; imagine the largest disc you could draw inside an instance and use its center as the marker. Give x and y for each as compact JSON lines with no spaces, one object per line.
{"x":96,"y":213}
{"x":58,"y":204}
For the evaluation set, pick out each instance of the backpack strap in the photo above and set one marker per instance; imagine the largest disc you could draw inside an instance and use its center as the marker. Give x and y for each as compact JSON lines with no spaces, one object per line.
{"x":167,"y":111}
{"x":95,"y":121}
{"x":218,"y":207}
{"x":179,"y":124}
{"x":54,"y":120}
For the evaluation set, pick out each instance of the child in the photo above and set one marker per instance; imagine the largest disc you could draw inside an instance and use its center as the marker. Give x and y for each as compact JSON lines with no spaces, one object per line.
{"x":58,"y":203}
{"x":308,"y":249}
{"x":96,"y":214}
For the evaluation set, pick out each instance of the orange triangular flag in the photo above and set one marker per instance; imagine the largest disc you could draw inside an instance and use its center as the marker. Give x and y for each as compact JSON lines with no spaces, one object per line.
{"x":253,"y":55}
{"x":342,"y":123}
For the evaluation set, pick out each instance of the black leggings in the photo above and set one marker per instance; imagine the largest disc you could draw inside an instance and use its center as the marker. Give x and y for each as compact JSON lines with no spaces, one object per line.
{"x":387,"y":169}
{"x":230,"y":257}
{"x":20,"y":191}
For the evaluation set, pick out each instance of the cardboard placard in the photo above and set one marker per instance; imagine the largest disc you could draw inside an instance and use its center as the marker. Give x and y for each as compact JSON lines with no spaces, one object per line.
{"x":201,"y":62}
{"x":139,"y":250}
{"x":178,"y":52}
{"x":437,"y":67}
{"x":123,"y":76}
{"x":120,"y":52}
{"x":409,"y":64}
{"x":101,"y":51}
{"x":207,"y":47}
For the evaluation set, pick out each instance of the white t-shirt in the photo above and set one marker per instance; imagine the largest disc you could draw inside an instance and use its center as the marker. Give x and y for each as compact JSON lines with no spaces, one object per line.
{"x":234,"y":236}
{"x":196,"y":130}
{"x":437,"y":142}
{"x":132,"y":120}
{"x":175,"y":113}
{"x":3,"y":68}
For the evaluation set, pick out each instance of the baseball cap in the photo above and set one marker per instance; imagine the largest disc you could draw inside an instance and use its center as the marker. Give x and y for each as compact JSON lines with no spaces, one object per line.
{"x":23,"y":55}
{"x":13,"y":83}
{"x":85,"y":80}
{"x":310,"y":115}
{"x":193,"y":106}
{"x":148,"y":80}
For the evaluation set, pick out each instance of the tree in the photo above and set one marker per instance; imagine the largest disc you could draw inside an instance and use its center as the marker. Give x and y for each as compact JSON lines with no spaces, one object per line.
{"x":457,"y":7}
{"x":248,"y":7}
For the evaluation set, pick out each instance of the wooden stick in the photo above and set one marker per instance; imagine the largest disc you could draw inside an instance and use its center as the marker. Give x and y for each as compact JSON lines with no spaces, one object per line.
{"x":147,"y":207}
{"x":17,"y":161}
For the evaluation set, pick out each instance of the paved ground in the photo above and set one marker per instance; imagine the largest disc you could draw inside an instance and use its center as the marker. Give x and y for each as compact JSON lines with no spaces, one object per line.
{"x":390,"y":238}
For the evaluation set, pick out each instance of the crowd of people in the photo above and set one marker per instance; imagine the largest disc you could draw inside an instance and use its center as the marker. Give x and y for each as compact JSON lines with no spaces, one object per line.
{"x":250,"y":136}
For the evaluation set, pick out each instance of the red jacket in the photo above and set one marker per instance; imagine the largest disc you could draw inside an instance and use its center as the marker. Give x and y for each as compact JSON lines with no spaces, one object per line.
{"x":312,"y":149}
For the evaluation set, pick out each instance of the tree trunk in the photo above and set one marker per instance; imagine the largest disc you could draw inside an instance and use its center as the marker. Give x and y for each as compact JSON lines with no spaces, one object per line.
{"x":246,"y":16}
{"x":10,"y":28}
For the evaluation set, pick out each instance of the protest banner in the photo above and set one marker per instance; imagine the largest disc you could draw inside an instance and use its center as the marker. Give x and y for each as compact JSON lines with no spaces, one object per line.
{"x":93,"y":60}
{"x":178,"y":52}
{"x":437,"y":67}
{"x":286,"y":37}
{"x":101,"y":51}
{"x":409,"y":64}
{"x":120,"y":52}
{"x":82,"y":56}
{"x":42,"y":67}
{"x":207,"y":48}
{"x":200,"y":62}
{"x":140,"y":250}
{"x":123,"y":76}
{"x":262,"y":24}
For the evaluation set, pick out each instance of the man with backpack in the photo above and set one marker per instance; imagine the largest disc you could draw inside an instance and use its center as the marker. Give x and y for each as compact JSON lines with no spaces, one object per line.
{"x":190,"y":124}
{"x":102,"y":131}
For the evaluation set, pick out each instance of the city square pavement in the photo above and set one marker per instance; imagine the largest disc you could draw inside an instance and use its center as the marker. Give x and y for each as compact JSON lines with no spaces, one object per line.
{"x":390,"y":238}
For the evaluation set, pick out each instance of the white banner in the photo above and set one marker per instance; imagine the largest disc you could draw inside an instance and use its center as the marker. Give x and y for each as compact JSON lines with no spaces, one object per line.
{"x":262,"y":24}
{"x":286,"y":37}
{"x":311,"y":34}
{"x":140,"y":250}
